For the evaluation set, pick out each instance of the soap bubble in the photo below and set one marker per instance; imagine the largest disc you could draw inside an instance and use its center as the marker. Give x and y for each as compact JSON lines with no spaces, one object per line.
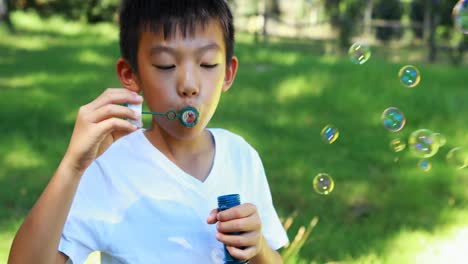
{"x":323,"y":184}
{"x":393,"y":119}
{"x":458,"y":157}
{"x":422,"y":144}
{"x":425,"y":165}
{"x":440,"y":139}
{"x":397,"y":145}
{"x":359,"y":53}
{"x":330,"y":134}
{"x":409,"y":76}
{"x":460,"y":16}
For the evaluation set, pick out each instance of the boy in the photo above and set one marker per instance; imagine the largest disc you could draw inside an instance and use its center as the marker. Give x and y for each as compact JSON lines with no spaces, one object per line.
{"x":151,"y":196}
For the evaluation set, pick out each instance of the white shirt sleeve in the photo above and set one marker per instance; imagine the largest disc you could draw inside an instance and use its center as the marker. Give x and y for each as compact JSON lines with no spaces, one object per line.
{"x":80,"y":235}
{"x":272,"y":228}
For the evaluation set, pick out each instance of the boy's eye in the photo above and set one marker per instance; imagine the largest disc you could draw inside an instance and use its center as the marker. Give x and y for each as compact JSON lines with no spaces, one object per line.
{"x":209,"y":66}
{"x":164,"y":67}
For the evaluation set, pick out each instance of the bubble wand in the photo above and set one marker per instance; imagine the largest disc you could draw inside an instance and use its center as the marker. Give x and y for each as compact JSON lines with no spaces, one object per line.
{"x":188,"y":116}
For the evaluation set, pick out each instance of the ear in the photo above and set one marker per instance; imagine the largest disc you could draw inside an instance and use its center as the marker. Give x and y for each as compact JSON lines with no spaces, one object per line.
{"x":127,"y":76}
{"x":231,"y":71}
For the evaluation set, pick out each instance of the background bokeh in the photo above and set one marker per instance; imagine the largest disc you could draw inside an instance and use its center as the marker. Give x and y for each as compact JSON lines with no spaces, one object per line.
{"x":295,"y":78}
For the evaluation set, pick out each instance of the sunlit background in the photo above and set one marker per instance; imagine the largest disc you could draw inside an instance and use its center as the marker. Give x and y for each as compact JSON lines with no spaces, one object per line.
{"x":357,"y":108}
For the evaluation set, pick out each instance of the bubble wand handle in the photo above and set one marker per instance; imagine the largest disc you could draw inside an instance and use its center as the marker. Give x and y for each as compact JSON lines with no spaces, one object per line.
{"x":171,"y":114}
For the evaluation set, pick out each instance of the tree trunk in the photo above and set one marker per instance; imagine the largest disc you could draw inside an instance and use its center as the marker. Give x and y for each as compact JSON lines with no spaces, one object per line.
{"x":6,"y":17}
{"x":266,"y":12}
{"x":433,"y":22}
{"x":368,"y":18}
{"x":427,"y":20}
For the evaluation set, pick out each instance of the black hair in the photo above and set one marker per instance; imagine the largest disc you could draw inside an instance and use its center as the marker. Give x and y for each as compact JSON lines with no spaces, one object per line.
{"x":137,"y":16}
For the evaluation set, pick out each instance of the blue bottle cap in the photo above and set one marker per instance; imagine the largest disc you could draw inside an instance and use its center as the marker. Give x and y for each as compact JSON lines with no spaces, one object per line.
{"x":228,"y":201}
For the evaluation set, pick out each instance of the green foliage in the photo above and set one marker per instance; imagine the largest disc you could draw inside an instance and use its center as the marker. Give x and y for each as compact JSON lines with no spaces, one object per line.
{"x":92,"y":11}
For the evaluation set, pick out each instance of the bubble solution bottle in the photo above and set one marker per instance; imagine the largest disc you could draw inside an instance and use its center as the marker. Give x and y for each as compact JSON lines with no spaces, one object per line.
{"x":225,"y":202}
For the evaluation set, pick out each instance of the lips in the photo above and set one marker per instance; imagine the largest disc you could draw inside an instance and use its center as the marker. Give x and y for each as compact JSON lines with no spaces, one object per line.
{"x":190,"y":118}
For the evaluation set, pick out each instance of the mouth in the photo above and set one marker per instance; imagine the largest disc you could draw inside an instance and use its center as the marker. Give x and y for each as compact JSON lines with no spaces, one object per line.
{"x":188,"y":116}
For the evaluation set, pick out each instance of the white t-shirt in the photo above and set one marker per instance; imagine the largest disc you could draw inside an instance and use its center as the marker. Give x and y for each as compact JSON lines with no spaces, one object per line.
{"x":136,"y":206}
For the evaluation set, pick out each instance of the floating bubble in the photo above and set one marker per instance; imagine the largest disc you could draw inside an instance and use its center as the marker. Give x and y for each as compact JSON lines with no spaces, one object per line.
{"x":397,"y":145}
{"x":425,"y":165}
{"x":422,"y":144}
{"x":330,"y":134}
{"x":440,"y":139}
{"x":458,"y":157}
{"x":359,"y":53}
{"x":409,"y":76}
{"x":460,"y":16}
{"x":393,"y":119}
{"x":323,"y":184}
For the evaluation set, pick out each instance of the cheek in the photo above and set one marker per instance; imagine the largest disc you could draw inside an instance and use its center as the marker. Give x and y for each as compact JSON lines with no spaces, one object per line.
{"x":156,"y":94}
{"x":217,"y":80}
{"x":156,"y":83}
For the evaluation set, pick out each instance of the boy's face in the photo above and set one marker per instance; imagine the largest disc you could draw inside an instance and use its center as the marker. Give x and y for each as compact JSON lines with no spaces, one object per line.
{"x":184,"y":71}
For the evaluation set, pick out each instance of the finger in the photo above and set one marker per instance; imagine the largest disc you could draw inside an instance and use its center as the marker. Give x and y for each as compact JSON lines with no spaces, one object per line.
{"x":246,"y":224}
{"x":242,"y":254}
{"x":246,"y":239}
{"x":114,"y":124}
{"x":237,"y":212}
{"x":113,"y":110}
{"x":116,"y":96}
{"x":212,"y":217}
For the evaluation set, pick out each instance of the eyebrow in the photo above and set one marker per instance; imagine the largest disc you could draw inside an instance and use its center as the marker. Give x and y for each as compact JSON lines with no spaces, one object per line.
{"x":161,"y":48}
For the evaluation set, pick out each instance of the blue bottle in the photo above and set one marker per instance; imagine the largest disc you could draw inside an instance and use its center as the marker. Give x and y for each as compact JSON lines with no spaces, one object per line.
{"x":225,"y":202}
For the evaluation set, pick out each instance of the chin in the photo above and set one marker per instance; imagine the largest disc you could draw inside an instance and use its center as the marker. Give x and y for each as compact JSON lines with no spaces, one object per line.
{"x":180,"y":132}
{"x":188,"y":133}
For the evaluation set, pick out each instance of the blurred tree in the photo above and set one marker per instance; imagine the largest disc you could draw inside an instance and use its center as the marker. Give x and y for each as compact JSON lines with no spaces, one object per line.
{"x":92,"y":11}
{"x":436,"y":16}
{"x":388,"y":10}
{"x":345,"y":17}
{"x":420,"y":13}
{"x":432,"y":7}
{"x":368,"y":17}
{"x":5,"y":15}
{"x":271,"y":10}
{"x":417,"y":17}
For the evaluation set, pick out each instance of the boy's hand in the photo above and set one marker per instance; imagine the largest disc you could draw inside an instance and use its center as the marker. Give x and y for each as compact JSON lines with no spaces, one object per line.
{"x":97,"y":126}
{"x":243,"y":218}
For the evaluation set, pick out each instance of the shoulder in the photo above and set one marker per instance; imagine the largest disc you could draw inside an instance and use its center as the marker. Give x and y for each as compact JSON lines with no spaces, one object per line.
{"x":227,"y":137}
{"x":235,"y":144}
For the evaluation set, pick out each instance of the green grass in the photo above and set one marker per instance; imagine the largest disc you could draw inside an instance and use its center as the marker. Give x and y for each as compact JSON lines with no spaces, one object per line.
{"x":381,"y":211}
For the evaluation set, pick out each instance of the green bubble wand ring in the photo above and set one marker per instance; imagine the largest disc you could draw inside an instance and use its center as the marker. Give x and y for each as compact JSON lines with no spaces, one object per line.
{"x":188,"y":116}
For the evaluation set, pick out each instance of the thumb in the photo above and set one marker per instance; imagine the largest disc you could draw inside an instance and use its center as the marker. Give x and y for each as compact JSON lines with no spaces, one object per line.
{"x":212,"y":217}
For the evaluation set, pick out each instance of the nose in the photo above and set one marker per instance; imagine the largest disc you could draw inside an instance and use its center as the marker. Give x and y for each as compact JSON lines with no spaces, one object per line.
{"x":189,"y":85}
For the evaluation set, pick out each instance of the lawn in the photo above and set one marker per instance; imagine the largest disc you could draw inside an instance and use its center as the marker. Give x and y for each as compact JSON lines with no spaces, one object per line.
{"x":384,"y":209}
